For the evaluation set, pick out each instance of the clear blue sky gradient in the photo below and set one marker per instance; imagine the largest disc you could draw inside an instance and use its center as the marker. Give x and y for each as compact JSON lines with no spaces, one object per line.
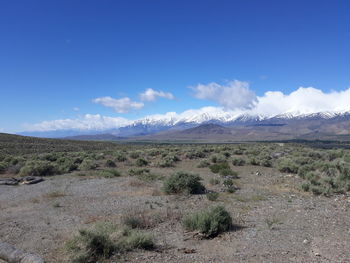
{"x":60,"y":54}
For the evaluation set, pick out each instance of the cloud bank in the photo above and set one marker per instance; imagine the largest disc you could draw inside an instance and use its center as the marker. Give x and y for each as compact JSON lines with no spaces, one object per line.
{"x":87,"y":122}
{"x":234,"y":95}
{"x":302,"y":101}
{"x":123,"y":105}
{"x":234,"y":99}
{"x":152,"y":95}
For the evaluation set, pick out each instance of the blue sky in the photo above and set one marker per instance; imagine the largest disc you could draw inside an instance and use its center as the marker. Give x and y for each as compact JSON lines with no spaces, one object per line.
{"x":57,"y":57}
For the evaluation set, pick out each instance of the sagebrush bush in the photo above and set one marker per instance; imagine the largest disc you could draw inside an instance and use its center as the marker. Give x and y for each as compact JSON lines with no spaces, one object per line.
{"x":183,"y":182}
{"x":90,"y":246}
{"x":110,"y":163}
{"x":100,"y":243}
{"x":218,"y":158}
{"x":212,"y":196}
{"x":254,"y":161}
{"x":195,"y":154}
{"x":287,"y":166}
{"x":229,"y":185}
{"x":140,"y":171}
{"x":228,"y":172}
{"x":139,"y":240}
{"x":265,"y":162}
{"x":210,"y":222}
{"x":169,"y":161}
{"x":203,"y":163}
{"x":134,"y":155}
{"x":238,"y":162}
{"x":110,"y":173}
{"x":88,"y":164}
{"x":141,"y":162}
{"x":3,"y":167}
{"x":39,"y":168}
{"x":66,"y":165}
{"x":214,"y":181}
{"x":120,"y":157}
{"x":217,"y":167}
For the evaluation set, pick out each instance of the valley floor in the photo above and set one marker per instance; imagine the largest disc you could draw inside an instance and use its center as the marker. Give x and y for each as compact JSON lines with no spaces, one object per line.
{"x":275,"y":222}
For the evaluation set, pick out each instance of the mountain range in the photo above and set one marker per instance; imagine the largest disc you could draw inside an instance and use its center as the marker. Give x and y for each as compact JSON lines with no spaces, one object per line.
{"x":322,"y":125}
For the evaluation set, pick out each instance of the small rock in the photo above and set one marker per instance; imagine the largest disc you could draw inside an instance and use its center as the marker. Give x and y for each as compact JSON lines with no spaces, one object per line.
{"x":305,"y":241}
{"x":317,"y":254}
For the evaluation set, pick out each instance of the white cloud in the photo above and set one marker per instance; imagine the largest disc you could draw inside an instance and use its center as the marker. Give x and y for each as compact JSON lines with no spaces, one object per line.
{"x":76,"y":109}
{"x":234,"y":95}
{"x":87,"y":122}
{"x":151,"y":95}
{"x":302,"y":101}
{"x":122,"y":105}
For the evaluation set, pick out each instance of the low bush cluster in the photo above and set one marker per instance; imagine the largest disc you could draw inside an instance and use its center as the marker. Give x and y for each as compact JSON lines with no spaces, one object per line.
{"x":183,"y":182}
{"x":209,"y":222}
{"x":100,"y":243}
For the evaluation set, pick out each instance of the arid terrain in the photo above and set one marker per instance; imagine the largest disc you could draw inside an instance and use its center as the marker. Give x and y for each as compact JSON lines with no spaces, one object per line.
{"x":276,"y":217}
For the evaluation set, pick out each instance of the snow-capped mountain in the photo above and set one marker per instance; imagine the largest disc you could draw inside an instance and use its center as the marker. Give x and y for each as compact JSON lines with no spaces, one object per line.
{"x":172,"y":121}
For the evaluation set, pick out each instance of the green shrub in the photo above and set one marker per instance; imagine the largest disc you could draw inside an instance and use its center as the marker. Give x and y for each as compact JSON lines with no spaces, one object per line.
{"x":88,"y":164}
{"x":150,"y":177}
{"x":212,"y":196}
{"x":133,"y":222}
{"x":218,"y":158}
{"x":210,"y":222}
{"x":39,"y":168}
{"x":173,"y":158}
{"x":91,"y":246}
{"x":183,"y":182}
{"x":254,"y":161}
{"x":169,"y":161}
{"x":203,"y":163}
{"x":317,"y":189}
{"x":226,"y":154}
{"x":303,"y":170}
{"x":195,"y":154}
{"x":217,"y":167}
{"x":238,"y":162}
{"x":140,"y":171}
{"x":305,"y":187}
{"x":110,"y":173}
{"x":120,"y":157}
{"x":3,"y":167}
{"x":214,"y":181}
{"x":110,"y":163}
{"x":231,"y":189}
{"x":100,"y":243}
{"x":15,"y":169}
{"x":239,"y":151}
{"x":139,"y":240}
{"x":66,"y":165}
{"x":229,"y":185}
{"x":141,"y":162}
{"x":287,"y":166}
{"x":228,"y":172}
{"x":134,"y":155}
{"x":266,"y":162}
{"x":154,"y":152}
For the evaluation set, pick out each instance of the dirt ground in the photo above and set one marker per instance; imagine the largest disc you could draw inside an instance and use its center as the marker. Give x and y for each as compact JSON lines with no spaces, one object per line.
{"x":275,"y":221}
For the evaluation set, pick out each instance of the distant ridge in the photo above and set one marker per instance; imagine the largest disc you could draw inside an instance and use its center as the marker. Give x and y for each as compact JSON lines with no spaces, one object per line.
{"x":95,"y":137}
{"x":323,"y":125}
{"x":207,"y":129}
